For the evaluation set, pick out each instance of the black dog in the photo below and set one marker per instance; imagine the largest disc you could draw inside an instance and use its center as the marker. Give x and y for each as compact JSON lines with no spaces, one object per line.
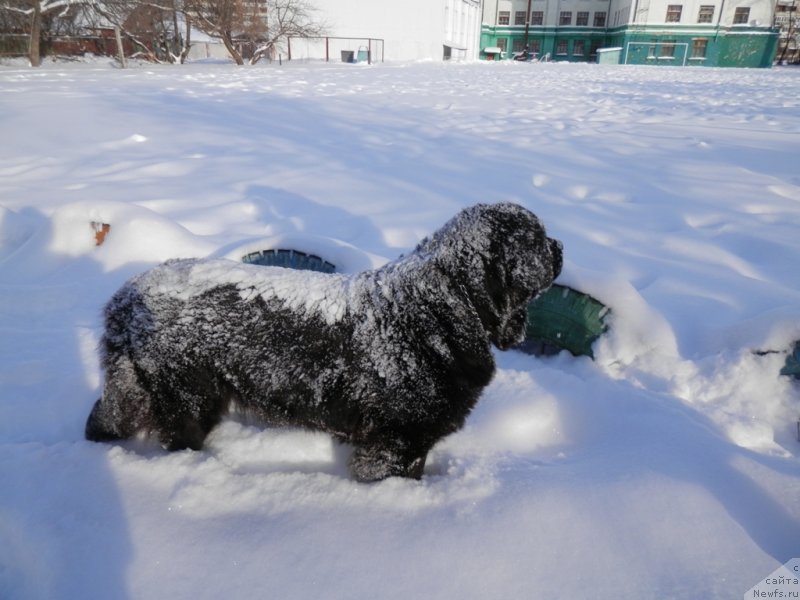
{"x":390,"y":360}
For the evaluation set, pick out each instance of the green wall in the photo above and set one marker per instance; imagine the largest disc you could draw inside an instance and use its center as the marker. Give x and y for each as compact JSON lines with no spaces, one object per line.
{"x":725,"y":47}
{"x":548,"y":38}
{"x":748,"y":51}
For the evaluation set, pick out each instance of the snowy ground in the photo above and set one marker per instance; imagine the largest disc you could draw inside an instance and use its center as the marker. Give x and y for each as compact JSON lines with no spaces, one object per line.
{"x":667,"y":468}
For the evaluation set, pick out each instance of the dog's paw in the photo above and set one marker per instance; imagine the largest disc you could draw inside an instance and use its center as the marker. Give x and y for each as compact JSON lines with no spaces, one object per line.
{"x":375,"y":463}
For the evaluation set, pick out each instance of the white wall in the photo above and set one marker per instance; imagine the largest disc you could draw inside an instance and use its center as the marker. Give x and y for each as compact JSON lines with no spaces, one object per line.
{"x":551,"y":9}
{"x":655,"y":11}
{"x":462,"y":24}
{"x":620,"y":12}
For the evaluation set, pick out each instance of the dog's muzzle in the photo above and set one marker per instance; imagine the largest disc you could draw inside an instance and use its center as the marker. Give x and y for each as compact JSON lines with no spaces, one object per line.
{"x":557,"y":252}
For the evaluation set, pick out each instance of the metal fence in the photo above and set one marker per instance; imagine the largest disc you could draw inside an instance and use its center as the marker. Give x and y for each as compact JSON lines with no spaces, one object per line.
{"x":330,"y":48}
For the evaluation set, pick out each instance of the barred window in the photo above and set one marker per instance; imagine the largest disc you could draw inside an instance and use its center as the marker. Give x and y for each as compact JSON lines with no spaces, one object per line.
{"x":600,"y":19}
{"x":503,"y":17}
{"x":667,"y":50}
{"x":519,"y":17}
{"x":741,"y":16}
{"x":674,"y":13}
{"x":537,"y":17}
{"x":565,"y":18}
{"x":562,"y":47}
{"x":582,"y":19}
{"x":706,"y":14}
{"x":699,"y":47}
{"x":578,"y":48}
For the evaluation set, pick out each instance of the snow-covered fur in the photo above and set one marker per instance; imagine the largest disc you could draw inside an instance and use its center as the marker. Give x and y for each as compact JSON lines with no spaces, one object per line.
{"x":390,"y":360}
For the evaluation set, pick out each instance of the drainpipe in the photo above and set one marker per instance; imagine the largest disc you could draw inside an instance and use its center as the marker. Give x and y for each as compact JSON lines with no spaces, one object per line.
{"x":527,"y":25}
{"x":633,"y":24}
{"x":557,"y":28}
{"x":497,"y":23}
{"x":477,"y":53}
{"x":719,"y":19}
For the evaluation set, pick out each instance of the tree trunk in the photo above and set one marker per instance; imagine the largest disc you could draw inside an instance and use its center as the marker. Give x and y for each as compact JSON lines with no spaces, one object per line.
{"x":36,"y":33}
{"x":120,"y":49}
{"x":186,"y":45}
{"x":235,"y":54}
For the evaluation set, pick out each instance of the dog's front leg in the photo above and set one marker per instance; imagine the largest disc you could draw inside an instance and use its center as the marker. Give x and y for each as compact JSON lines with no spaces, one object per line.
{"x":379,"y":461}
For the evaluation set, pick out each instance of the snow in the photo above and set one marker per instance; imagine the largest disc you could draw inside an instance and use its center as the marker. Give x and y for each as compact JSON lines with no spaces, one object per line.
{"x":309,"y":293}
{"x":667,"y":467}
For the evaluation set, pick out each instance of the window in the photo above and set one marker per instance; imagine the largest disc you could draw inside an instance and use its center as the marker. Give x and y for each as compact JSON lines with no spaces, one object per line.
{"x":651,"y":49}
{"x":519,"y":17}
{"x":699,"y":47}
{"x":667,"y":50}
{"x":502,"y":43}
{"x":565,"y":18}
{"x":673,"y":13}
{"x":503,"y":16}
{"x":600,"y":19}
{"x":582,"y":19}
{"x":578,"y":48}
{"x":537,"y":17}
{"x":594,"y":47}
{"x":535,"y":47}
{"x":562,"y":47}
{"x":706,"y":14}
{"x":741,"y":16}
{"x":518,"y":45}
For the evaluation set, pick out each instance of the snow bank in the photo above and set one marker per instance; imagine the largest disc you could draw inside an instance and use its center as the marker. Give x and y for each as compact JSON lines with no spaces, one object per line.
{"x":667,"y":467}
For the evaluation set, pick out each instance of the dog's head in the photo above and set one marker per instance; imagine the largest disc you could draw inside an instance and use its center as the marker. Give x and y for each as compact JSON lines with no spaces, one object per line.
{"x":501,"y":257}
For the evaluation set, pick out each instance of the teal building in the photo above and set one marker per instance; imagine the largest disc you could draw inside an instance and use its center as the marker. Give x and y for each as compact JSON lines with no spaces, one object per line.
{"x":718,"y":33}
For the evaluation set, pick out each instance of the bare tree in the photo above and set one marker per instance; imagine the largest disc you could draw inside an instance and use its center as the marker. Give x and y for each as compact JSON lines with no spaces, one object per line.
{"x":223,"y":19}
{"x":160,"y":29}
{"x":287,"y":18}
{"x":790,"y":37}
{"x":157,"y":29}
{"x":37,"y":11}
{"x":254,"y":27}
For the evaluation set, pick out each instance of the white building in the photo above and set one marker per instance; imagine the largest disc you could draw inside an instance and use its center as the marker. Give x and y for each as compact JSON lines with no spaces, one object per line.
{"x":408,"y":30}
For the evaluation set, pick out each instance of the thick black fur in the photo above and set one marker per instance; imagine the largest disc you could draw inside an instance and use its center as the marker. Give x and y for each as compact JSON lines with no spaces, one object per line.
{"x":390,"y":360}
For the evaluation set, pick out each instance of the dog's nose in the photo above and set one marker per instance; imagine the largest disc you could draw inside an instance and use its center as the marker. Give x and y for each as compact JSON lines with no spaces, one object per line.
{"x":557,"y":252}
